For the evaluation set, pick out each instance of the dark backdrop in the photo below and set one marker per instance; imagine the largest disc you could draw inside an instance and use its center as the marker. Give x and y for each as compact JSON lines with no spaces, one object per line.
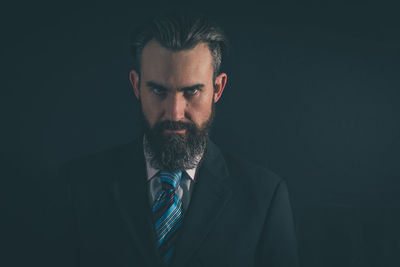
{"x":312,"y":93}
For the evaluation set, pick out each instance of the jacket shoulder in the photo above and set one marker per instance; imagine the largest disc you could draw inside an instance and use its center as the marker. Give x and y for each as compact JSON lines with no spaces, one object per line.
{"x":96,"y":164}
{"x":253,"y":172}
{"x":249,"y":179}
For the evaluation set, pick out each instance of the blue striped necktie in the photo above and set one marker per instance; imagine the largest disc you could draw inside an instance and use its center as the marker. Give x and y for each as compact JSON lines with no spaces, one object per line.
{"x":167,"y":213}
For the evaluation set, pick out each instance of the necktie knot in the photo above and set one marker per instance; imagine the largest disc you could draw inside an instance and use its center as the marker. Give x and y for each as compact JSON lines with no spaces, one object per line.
{"x":170,"y":179}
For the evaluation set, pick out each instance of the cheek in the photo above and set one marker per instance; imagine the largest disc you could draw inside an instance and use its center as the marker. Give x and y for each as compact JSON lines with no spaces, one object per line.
{"x":200,"y":110}
{"x":151,"y":109}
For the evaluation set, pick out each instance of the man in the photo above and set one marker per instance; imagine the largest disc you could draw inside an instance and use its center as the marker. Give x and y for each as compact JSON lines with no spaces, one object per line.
{"x":171,"y":197}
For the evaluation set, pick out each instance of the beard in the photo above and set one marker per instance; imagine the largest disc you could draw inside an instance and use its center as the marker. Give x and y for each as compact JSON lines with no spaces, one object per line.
{"x":175,"y":151}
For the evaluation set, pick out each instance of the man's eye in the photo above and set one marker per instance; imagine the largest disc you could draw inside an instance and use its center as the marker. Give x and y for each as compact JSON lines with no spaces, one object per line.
{"x":158,"y":91}
{"x":191,"y":92}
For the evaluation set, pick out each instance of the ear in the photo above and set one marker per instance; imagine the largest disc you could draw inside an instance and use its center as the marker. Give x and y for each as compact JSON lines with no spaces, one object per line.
{"x":220,"y":82}
{"x":134,"y":78}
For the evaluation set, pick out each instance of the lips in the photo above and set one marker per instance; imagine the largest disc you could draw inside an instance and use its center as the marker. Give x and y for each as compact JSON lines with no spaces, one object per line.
{"x":175,"y":131}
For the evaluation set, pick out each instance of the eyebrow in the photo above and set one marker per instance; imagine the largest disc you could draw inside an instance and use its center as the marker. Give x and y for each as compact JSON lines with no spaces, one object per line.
{"x":186,"y":88}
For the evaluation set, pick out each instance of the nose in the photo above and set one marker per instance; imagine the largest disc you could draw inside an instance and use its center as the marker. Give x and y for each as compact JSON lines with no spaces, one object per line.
{"x":175,"y":107}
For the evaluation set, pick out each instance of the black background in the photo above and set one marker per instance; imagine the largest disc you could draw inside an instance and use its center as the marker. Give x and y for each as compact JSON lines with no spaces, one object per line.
{"x":313,"y":93}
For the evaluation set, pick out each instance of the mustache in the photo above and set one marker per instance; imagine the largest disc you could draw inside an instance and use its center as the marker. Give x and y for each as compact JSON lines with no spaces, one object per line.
{"x":174,"y":125}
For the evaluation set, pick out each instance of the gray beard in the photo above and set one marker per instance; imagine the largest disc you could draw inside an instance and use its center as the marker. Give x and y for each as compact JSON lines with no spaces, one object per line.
{"x":175,"y":154}
{"x":175,"y":151}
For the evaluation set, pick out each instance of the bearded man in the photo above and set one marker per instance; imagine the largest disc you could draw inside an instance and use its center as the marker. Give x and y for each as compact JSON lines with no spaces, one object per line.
{"x":171,"y":197}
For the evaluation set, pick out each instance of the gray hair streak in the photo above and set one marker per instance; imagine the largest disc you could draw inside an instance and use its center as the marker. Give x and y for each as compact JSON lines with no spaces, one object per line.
{"x":180,"y":32}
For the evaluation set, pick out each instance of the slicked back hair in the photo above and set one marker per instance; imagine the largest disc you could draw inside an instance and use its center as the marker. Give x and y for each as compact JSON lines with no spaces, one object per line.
{"x":180,"y":32}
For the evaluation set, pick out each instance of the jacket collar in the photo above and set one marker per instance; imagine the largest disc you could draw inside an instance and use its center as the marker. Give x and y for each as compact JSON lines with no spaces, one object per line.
{"x":209,"y":198}
{"x":131,"y":195}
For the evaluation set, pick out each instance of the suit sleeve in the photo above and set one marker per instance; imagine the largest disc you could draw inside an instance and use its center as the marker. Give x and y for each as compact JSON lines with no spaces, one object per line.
{"x":278,"y":246}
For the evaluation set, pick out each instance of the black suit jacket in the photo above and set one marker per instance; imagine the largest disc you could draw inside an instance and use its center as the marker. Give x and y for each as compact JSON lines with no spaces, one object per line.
{"x":239,"y":214}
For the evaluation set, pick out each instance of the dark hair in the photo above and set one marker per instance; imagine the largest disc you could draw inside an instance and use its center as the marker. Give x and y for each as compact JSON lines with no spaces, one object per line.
{"x":180,"y":32}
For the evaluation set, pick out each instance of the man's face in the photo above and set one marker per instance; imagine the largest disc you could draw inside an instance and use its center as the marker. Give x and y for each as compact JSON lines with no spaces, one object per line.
{"x":176,"y":91}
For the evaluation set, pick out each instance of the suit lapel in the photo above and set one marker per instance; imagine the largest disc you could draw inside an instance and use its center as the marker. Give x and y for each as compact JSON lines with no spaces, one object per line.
{"x":208,"y":200}
{"x":130,"y":192}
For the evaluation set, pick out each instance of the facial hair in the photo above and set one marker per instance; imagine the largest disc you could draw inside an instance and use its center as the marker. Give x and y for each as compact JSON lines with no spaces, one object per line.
{"x":175,"y":151}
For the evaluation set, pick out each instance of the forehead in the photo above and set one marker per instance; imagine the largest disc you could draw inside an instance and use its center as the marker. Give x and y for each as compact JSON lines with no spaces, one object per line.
{"x":176,"y":68}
